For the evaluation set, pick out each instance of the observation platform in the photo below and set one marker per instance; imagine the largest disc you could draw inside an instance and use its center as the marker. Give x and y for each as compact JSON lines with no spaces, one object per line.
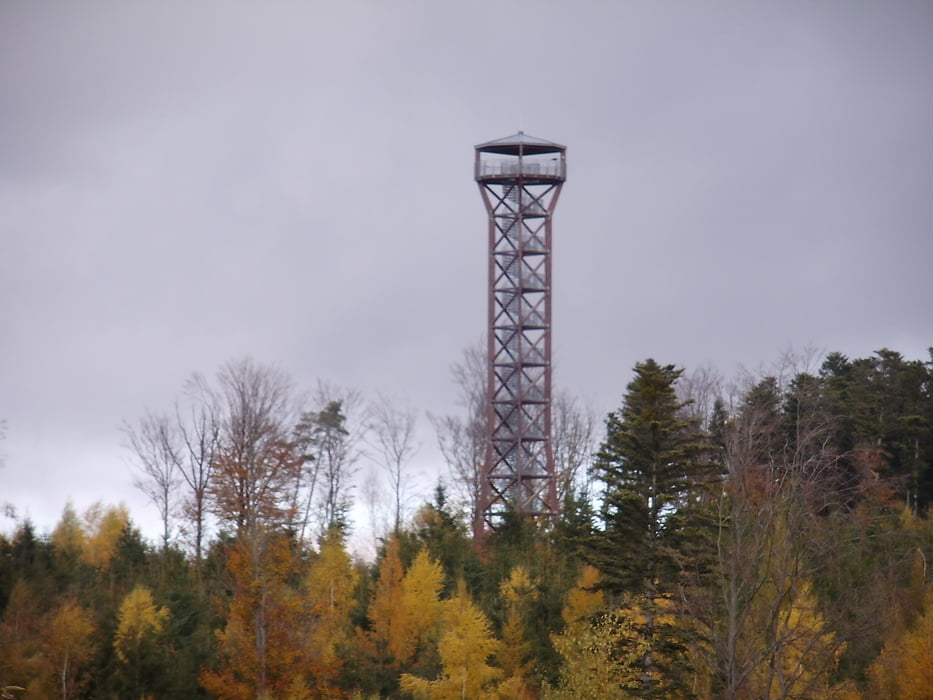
{"x":522,"y":157}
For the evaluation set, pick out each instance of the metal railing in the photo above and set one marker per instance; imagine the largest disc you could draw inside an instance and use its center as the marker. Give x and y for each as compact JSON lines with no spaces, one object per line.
{"x":512,"y":168}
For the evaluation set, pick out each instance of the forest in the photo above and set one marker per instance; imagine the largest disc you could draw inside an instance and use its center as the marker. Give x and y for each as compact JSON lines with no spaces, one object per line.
{"x":762,"y":537}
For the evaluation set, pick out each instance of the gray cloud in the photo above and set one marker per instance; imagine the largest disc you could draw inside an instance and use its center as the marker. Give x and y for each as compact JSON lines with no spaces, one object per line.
{"x":182,"y":183}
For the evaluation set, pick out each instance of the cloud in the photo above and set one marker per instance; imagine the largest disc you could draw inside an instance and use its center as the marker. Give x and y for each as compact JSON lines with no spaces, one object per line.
{"x":183,"y":183}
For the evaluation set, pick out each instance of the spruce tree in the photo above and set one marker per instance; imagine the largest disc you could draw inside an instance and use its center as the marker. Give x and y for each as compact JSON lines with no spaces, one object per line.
{"x":655,"y":470}
{"x":654,"y":528}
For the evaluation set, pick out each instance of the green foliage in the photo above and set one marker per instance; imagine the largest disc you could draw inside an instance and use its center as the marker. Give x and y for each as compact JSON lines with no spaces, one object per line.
{"x":653,"y":541}
{"x":447,"y":541}
{"x":823,"y":542}
{"x":656,"y":482}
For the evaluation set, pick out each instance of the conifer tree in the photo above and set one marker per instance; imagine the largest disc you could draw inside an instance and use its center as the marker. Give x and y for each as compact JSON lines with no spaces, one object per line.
{"x":391,"y":620}
{"x":654,"y":532}
{"x":328,"y":588}
{"x":139,"y":622}
{"x":651,"y":466}
{"x":465,"y":645}
{"x":517,"y":593}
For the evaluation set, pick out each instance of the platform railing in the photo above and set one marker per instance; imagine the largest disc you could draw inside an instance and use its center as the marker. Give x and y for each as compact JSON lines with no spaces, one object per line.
{"x":489,"y":169}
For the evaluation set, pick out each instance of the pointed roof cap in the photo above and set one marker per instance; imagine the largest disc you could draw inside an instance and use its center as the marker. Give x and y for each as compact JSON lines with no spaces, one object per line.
{"x":520,"y":144}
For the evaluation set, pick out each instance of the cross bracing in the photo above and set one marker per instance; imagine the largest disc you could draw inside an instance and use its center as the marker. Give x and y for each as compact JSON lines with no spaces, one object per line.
{"x":520,"y":184}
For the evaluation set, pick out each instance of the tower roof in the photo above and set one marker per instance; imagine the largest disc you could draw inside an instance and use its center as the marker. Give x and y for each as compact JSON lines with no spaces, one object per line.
{"x":520,"y":144}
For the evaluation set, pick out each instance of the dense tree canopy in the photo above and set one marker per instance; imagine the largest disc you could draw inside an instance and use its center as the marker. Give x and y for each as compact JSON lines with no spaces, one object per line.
{"x":765,"y":538}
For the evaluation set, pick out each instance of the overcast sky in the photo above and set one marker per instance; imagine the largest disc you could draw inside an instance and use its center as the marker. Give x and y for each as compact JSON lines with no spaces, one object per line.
{"x":185,"y":183}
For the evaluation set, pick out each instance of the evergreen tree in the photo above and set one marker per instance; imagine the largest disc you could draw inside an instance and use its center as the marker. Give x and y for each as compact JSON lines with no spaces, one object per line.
{"x":654,"y":531}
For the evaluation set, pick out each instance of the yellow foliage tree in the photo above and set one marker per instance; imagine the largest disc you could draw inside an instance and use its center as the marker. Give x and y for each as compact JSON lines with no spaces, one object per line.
{"x":70,"y":645}
{"x":796,"y":653}
{"x":405,"y":613}
{"x":22,"y":660}
{"x":591,"y":668}
{"x":393,"y":624}
{"x":517,"y":592}
{"x":329,"y":594}
{"x":904,"y":669}
{"x":465,"y":645}
{"x":421,"y":595}
{"x":139,"y":621}
{"x":615,"y":653}
{"x":104,"y":525}
{"x":68,"y":535}
{"x":584,"y":600}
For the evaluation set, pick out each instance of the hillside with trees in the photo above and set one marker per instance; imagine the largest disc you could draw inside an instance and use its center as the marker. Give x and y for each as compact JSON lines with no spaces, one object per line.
{"x":767,"y":536}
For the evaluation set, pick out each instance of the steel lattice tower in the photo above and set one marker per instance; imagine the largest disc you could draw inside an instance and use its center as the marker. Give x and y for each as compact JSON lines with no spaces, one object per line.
{"x":520,"y":178}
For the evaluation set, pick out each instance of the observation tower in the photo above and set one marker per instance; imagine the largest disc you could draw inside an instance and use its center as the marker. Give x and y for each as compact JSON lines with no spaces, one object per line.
{"x":520,"y":178}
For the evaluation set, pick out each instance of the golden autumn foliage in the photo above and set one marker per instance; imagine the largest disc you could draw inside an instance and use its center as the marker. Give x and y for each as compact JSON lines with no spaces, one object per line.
{"x":393,"y":624}
{"x":104,"y":525}
{"x":68,"y":535}
{"x":795,"y":653}
{"x":517,"y":592}
{"x":95,"y":536}
{"x":421,"y":593}
{"x":584,"y":600}
{"x":70,"y":645}
{"x":21,"y":631}
{"x":591,"y":668}
{"x":138,"y":620}
{"x":904,"y":669}
{"x":584,"y":646}
{"x":405,"y":614}
{"x":329,"y":589}
{"x":465,"y":645}
{"x":622,"y":651}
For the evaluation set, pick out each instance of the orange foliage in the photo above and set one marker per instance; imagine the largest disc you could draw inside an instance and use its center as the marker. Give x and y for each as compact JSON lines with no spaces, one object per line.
{"x":329,"y":588}
{"x":393,"y":625}
{"x":259,"y":647}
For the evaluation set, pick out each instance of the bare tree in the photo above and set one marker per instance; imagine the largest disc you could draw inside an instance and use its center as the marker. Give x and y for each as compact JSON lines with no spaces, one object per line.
{"x":374,"y":498}
{"x":153,"y":443}
{"x":256,"y":464}
{"x":573,"y":440}
{"x":199,"y":433}
{"x":771,"y":639}
{"x":8,"y":509}
{"x":698,"y":391}
{"x":177,"y":453}
{"x":392,"y":432}
{"x":462,"y":439}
